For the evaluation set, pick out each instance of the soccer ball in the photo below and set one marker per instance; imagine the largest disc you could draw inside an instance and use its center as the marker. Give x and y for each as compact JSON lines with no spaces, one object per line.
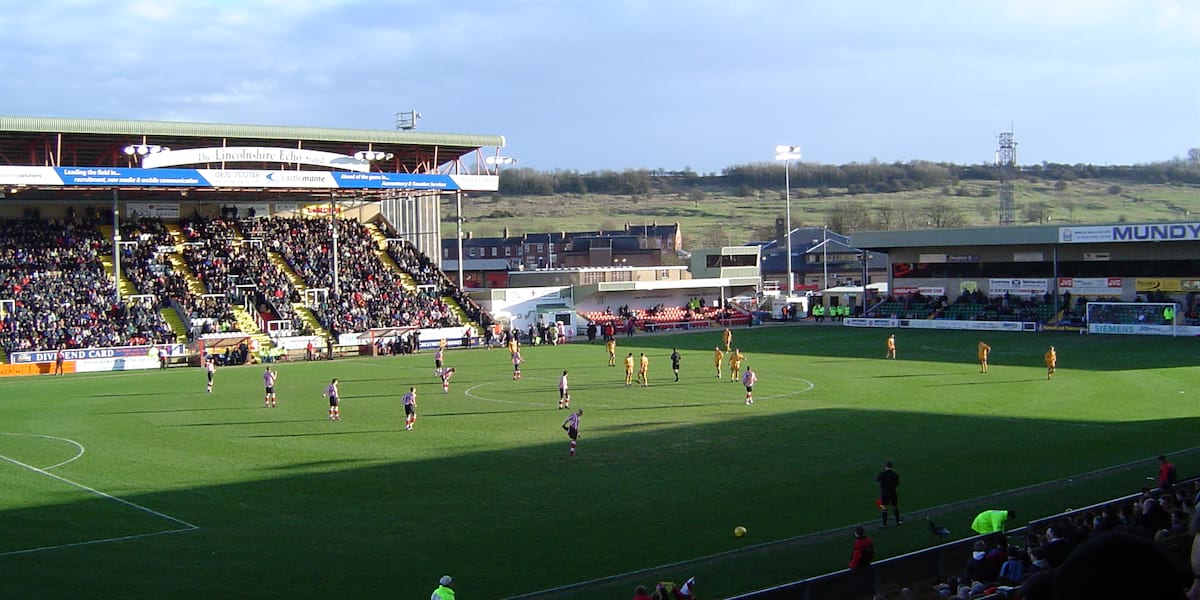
{"x":739,"y":531}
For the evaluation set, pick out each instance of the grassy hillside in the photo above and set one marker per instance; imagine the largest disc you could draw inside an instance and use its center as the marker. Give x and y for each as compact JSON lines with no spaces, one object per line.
{"x":722,"y":216}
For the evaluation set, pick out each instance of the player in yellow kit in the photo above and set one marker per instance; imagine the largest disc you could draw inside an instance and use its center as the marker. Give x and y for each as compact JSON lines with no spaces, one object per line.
{"x":984,"y":350}
{"x":727,"y":337}
{"x":1051,"y":362}
{"x":891,"y":347}
{"x":718,"y":356}
{"x":644,"y":371}
{"x":611,"y":346}
{"x":629,"y":369}
{"x":735,"y":365}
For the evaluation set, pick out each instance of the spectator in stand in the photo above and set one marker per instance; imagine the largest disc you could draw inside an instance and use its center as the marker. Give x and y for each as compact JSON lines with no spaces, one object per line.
{"x":1056,"y":546}
{"x":1013,"y":569}
{"x":1117,"y":566}
{"x":977,"y":567}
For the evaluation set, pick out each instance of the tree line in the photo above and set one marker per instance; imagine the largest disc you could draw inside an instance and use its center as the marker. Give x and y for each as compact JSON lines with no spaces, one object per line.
{"x":854,"y":178}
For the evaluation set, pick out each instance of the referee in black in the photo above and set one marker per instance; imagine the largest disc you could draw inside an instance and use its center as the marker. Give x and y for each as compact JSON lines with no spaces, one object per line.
{"x":888,"y":480}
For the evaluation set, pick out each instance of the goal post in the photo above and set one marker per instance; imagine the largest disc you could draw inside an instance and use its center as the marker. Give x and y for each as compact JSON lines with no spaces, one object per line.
{"x":1138,"y":318}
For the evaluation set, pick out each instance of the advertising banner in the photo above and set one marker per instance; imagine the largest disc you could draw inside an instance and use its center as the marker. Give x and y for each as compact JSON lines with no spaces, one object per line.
{"x":1091,"y":286}
{"x":924,"y":290}
{"x":241,"y":178}
{"x":47,"y":356}
{"x":1157,"y":232}
{"x":1018,"y":287}
{"x":152,"y":210}
{"x":1155,"y":284}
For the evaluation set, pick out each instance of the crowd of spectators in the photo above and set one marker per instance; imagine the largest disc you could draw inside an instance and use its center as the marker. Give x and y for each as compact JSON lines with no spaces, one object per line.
{"x":145,"y":263}
{"x":369,"y":294}
{"x":236,"y":268}
{"x":62,"y":297}
{"x":1159,"y":526}
{"x":977,"y":306}
{"x":425,"y":272}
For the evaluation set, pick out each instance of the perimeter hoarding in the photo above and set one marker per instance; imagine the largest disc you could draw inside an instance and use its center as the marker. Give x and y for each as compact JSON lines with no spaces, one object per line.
{"x":240,"y":178}
{"x":1154,"y":232}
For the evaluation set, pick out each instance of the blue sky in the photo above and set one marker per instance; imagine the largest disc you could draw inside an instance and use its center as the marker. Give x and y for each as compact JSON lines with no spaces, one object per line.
{"x":620,"y":84}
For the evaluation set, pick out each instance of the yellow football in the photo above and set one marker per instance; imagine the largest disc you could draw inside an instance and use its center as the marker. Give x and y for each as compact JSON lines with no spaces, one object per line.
{"x":739,"y":531}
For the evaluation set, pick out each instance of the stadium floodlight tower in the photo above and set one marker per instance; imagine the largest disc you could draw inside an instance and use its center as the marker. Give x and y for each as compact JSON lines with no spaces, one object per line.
{"x":1006,"y":166}
{"x":787,"y":154}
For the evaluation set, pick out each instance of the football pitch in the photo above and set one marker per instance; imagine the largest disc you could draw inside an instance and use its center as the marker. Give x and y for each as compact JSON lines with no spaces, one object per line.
{"x":141,"y":485}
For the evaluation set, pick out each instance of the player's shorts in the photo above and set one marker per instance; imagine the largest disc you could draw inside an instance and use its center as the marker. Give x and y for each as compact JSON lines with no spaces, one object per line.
{"x":516,"y":368}
{"x":675,"y":366}
{"x":749,"y":389}
{"x":437,"y":364}
{"x":562,"y":393}
{"x":210,"y":376}
{"x":891,"y":500}
{"x":410,"y":409}
{"x":333,"y":400}
{"x":270,"y":389}
{"x":573,"y":433}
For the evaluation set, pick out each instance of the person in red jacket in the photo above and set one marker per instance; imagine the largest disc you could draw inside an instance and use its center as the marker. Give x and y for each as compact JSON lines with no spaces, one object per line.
{"x":864,"y":549}
{"x":1166,"y":473}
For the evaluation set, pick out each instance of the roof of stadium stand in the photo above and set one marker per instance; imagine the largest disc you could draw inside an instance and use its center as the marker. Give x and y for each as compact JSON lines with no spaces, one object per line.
{"x":94,"y":139}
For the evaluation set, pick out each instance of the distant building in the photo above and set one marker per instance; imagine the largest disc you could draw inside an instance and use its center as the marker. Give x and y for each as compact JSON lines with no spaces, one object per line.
{"x":820,"y":258}
{"x":487,"y":261}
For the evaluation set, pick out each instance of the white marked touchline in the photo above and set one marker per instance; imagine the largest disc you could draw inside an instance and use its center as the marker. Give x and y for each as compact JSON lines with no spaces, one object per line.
{"x":51,"y":437}
{"x":94,"y":542}
{"x":186,"y":526}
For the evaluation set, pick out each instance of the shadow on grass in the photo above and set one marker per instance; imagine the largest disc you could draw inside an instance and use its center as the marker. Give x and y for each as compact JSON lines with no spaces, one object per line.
{"x":636,"y":495}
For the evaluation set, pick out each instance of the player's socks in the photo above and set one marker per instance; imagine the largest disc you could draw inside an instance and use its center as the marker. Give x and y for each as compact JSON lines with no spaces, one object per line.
{"x":572,"y":447}
{"x":883,"y":514}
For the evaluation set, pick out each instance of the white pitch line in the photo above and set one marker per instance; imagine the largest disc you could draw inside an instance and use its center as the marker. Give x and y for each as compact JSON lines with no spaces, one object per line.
{"x":827,"y":532}
{"x":51,"y":437}
{"x":94,"y":542}
{"x":185,"y":525}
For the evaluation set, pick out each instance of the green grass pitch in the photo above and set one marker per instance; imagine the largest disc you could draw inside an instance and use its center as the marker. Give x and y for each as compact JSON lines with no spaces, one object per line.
{"x":141,"y":485}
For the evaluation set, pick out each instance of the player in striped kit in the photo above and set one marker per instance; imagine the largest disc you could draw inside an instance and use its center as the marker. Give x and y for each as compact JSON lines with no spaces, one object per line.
{"x":269,"y":383}
{"x":564,"y":392}
{"x":571,"y":426}
{"x":331,"y":392}
{"x":210,"y":365}
{"x":410,"y":408}
{"x":748,"y":379}
{"x":446,"y":373}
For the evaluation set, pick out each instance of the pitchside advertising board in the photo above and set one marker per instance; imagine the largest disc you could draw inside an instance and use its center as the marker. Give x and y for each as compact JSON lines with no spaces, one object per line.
{"x":241,"y":178}
{"x":124,"y":358}
{"x":1155,"y":232}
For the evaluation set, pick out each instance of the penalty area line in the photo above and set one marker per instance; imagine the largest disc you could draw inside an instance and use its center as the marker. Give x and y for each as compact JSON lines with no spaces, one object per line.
{"x":184,"y":525}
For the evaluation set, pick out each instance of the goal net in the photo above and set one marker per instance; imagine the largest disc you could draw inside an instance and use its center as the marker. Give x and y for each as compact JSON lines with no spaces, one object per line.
{"x":1145,"y":318}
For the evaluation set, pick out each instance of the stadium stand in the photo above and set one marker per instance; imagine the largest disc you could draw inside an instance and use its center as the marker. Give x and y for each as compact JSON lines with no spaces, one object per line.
{"x":62,"y":295}
{"x":914,"y":306}
{"x":370,"y":295}
{"x":975,"y":306}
